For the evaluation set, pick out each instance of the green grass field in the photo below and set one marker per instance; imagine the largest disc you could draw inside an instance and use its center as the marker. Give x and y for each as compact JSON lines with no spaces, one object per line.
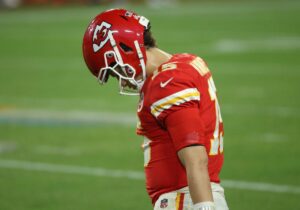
{"x":253,"y":50}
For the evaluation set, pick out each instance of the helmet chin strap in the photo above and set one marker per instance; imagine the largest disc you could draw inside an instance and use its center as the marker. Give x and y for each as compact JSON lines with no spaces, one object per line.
{"x":141,"y":58}
{"x":142,"y":63}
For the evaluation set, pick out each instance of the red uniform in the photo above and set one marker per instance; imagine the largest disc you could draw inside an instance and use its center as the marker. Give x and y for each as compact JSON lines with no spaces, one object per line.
{"x":179,"y":108}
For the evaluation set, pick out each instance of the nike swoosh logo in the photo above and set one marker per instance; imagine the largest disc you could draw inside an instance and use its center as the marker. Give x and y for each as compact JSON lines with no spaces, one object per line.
{"x":164,"y":84}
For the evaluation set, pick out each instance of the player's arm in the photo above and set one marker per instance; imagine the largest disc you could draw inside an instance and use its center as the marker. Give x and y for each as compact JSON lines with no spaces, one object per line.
{"x":194,"y":159}
{"x":186,"y":130}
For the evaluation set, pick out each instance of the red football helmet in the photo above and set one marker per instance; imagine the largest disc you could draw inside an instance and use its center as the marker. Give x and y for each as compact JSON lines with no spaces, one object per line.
{"x":113,"y":44}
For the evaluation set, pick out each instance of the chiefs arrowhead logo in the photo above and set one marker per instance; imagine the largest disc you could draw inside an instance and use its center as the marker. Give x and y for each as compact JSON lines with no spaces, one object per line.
{"x":101,"y":35}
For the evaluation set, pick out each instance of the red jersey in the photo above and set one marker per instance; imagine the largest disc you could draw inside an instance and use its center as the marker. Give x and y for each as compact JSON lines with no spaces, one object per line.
{"x":181,"y":93}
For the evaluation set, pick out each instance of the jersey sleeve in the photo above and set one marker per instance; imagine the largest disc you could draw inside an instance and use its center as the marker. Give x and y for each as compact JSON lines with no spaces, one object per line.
{"x":186,"y":128}
{"x":176,"y":107}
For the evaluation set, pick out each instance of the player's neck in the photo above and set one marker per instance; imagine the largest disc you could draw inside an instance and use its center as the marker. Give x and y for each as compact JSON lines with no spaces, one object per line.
{"x":155,"y":57}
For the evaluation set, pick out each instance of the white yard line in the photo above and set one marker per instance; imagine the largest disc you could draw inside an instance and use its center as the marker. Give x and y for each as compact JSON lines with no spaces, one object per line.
{"x":28,"y":116}
{"x":260,"y":186}
{"x":263,"y":44}
{"x":259,"y":110}
{"x":52,"y":117}
{"x":68,"y":169}
{"x":135,"y":175}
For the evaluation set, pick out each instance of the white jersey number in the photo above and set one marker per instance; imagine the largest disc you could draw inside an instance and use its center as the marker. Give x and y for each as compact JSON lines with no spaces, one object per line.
{"x":216,"y":144}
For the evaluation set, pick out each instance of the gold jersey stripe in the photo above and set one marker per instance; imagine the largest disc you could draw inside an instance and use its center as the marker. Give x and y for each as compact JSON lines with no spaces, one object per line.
{"x":177,"y":201}
{"x":175,"y":99}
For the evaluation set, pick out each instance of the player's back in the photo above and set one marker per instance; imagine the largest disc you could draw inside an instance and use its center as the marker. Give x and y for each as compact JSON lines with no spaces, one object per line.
{"x":184,"y":82}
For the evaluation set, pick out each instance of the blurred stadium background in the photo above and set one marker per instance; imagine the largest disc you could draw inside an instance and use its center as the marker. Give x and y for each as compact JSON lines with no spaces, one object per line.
{"x":66,"y":143}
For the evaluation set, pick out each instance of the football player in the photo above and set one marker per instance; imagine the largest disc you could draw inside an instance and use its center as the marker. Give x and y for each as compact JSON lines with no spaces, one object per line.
{"x":179,"y":113}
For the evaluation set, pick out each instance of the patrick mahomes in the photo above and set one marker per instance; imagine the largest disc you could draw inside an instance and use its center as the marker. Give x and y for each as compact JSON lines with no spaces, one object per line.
{"x":178,"y":110}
